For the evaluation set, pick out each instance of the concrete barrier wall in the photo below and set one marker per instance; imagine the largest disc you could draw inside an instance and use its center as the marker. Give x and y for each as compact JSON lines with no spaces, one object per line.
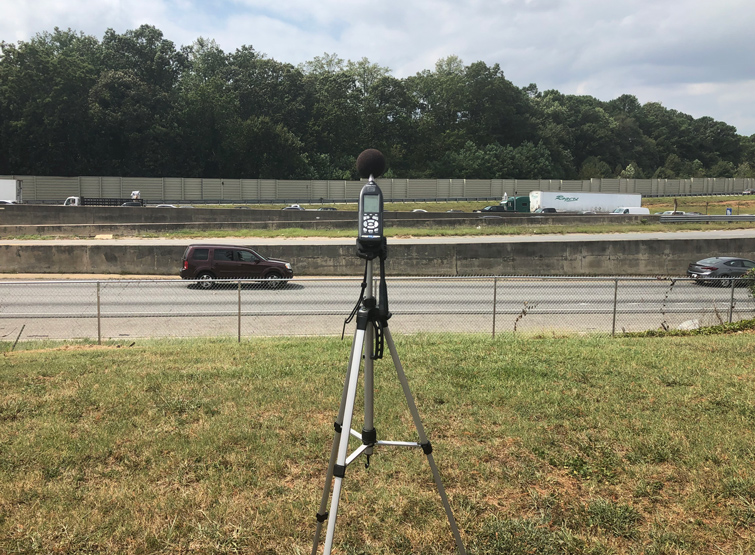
{"x":577,"y":257}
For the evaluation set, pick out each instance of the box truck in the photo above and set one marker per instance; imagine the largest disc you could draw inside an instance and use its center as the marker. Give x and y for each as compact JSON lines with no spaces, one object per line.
{"x":582,"y":202}
{"x":11,"y":191}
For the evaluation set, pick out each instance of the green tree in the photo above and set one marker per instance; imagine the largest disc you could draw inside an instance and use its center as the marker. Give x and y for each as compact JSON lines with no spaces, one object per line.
{"x":260,"y":148}
{"x":531,"y":161}
{"x":270,"y":89}
{"x":145,"y":52}
{"x":132,"y":103}
{"x":366,"y":74}
{"x":497,"y":110}
{"x":121,"y":108}
{"x":672,"y":168}
{"x":594,"y":167}
{"x":473,"y":162}
{"x":441,"y":96}
{"x":595,"y":131}
{"x":441,"y":117}
{"x":672,"y":133}
{"x":722,"y":168}
{"x":744,"y":170}
{"x":387,"y":123}
{"x":716,"y":141}
{"x":207,"y":111}
{"x":45,"y":127}
{"x":552,"y":118}
{"x":334,"y":126}
{"x":633,"y":145}
{"x":632,"y":171}
{"x":327,"y":64}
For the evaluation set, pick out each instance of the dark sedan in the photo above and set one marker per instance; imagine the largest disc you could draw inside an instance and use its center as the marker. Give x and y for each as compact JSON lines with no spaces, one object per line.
{"x":494,"y":208}
{"x":722,"y":267}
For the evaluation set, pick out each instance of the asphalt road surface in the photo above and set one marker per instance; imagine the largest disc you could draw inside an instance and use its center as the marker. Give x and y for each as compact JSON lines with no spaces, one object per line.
{"x":72,"y":309}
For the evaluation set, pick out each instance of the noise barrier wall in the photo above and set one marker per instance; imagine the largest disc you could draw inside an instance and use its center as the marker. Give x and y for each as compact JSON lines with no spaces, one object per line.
{"x":48,"y":189}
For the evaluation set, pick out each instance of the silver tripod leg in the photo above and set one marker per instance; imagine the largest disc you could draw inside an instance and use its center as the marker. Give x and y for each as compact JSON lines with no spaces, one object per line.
{"x":423,"y":439}
{"x":340,"y":464}
{"x":321,"y":514}
{"x":368,"y":430}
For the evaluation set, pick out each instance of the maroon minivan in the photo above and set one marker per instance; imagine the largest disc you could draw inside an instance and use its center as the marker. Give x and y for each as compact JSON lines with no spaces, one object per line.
{"x":206,"y":263}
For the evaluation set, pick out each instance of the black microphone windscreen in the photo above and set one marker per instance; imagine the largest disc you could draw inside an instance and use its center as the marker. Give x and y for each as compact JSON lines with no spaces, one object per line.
{"x":371,"y":163}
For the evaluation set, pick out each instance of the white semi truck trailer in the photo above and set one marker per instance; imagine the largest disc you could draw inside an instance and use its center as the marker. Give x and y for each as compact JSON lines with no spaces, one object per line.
{"x":582,"y":202}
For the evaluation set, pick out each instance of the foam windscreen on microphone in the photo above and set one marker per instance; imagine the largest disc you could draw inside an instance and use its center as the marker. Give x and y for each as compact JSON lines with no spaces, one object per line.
{"x":371,"y":163}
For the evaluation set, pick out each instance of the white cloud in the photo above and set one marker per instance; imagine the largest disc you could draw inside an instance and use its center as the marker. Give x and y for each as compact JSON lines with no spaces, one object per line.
{"x":694,"y":56}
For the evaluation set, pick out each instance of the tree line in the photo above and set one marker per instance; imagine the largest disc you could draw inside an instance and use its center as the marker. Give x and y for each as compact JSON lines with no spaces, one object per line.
{"x":134,"y":104}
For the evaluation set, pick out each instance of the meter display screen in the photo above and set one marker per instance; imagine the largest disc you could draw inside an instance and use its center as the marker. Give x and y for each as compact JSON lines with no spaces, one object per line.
{"x":371,"y":203}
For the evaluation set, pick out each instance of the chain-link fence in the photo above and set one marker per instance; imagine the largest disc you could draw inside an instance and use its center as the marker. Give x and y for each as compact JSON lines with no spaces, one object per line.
{"x":118,"y":309}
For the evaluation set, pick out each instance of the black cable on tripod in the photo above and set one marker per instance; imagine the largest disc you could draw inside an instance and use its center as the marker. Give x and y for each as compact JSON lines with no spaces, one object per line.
{"x":383,"y":305}
{"x":377,"y":351}
{"x":359,"y":302}
{"x":381,"y":313}
{"x":377,"y":314}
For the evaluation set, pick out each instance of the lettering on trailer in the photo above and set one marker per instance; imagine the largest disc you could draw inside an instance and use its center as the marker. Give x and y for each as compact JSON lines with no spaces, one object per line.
{"x":566,"y":199}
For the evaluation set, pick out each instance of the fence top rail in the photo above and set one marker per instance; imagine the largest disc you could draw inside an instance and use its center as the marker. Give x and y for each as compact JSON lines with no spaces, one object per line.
{"x":357,"y":278}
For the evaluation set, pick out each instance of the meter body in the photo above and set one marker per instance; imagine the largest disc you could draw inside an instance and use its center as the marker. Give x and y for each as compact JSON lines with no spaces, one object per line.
{"x":371,"y":214}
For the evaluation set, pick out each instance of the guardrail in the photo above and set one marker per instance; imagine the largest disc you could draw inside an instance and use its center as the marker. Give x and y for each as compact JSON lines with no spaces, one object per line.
{"x":97,"y":310}
{"x":686,"y":218}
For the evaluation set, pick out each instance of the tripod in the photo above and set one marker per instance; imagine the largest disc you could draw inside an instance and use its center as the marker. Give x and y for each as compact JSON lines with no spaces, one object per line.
{"x":372,"y":329}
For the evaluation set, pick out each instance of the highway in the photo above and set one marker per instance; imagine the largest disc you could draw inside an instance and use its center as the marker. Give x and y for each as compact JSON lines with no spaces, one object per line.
{"x":70,"y":309}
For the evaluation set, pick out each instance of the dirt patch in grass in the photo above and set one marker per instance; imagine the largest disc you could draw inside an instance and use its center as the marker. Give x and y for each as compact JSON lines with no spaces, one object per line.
{"x":67,"y":347}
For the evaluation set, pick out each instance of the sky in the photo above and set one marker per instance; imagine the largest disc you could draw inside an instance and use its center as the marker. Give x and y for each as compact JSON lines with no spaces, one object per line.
{"x":694,"y":56}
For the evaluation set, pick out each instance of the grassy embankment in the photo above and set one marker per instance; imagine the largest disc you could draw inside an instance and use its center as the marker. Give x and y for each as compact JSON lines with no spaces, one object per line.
{"x":705,"y":205}
{"x":547,"y":445}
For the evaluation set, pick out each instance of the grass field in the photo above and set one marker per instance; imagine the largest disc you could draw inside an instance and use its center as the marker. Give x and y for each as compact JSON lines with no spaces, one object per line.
{"x":547,"y":445}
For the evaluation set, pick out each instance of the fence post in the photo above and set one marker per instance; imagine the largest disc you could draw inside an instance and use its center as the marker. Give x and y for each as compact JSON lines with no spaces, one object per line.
{"x":239,"y":327}
{"x":731,"y":301}
{"x":495,"y":301}
{"x":615,"y":298}
{"x":99,"y":323}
